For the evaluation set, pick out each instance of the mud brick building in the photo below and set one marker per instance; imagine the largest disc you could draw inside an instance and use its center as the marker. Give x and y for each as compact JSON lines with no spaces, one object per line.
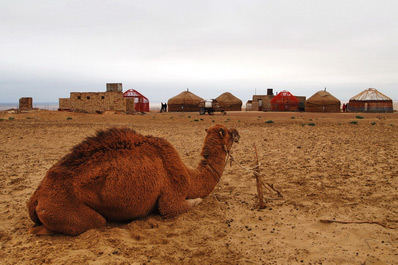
{"x":98,"y":102}
{"x":25,"y":103}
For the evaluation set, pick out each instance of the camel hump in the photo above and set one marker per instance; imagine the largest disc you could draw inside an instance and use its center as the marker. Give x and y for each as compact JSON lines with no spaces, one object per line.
{"x":105,"y":141}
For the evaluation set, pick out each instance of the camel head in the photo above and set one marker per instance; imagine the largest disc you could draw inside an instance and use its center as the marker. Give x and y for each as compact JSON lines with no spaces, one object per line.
{"x":227,"y":135}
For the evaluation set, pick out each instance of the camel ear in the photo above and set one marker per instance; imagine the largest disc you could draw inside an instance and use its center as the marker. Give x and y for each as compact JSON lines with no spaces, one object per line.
{"x":222,"y":132}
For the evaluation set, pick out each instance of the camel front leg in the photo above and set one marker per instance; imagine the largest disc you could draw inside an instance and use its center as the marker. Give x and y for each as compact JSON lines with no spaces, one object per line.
{"x":170,"y":206}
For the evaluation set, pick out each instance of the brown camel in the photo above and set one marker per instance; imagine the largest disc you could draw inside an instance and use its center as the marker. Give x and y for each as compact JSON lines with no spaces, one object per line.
{"x":122,"y":175}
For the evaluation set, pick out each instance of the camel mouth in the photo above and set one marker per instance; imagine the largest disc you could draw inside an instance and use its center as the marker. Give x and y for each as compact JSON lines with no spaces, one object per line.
{"x":235,"y":136}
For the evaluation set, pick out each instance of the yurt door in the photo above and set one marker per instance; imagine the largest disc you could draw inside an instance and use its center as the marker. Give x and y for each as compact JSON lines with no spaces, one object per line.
{"x":260,"y":104}
{"x":366,"y":107}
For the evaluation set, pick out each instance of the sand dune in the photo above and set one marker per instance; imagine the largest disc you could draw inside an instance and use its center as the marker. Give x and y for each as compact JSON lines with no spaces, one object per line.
{"x":325,"y":166}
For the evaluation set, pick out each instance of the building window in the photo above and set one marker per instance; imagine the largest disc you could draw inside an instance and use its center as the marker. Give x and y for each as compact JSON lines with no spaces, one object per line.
{"x":79,"y":97}
{"x":88,"y":97}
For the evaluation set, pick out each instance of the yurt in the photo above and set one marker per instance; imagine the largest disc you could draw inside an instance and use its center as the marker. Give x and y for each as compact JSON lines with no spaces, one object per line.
{"x":285,"y":101}
{"x":370,"y":100}
{"x":229,"y":102}
{"x":185,"y":101}
{"x":322,"y":101}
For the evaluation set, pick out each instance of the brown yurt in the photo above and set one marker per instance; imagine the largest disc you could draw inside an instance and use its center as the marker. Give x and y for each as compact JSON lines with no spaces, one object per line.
{"x":370,"y":100}
{"x":322,"y":101}
{"x":185,"y":101}
{"x":229,"y":102}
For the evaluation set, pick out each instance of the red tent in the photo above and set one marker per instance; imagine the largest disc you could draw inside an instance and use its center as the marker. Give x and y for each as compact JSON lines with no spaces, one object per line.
{"x":141,"y":103}
{"x":285,"y":101}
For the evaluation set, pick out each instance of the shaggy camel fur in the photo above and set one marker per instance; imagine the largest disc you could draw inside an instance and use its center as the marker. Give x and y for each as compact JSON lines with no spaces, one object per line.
{"x":121,"y":175}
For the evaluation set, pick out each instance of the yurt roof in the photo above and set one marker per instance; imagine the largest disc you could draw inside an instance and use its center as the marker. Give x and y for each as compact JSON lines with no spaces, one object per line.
{"x":323,"y":97}
{"x":228,"y":98}
{"x":185,"y":97}
{"x":370,"y":94}
{"x":284,"y":96}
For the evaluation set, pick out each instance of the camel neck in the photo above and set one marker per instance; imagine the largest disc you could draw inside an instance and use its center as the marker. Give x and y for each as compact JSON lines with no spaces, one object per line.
{"x":209,"y":171}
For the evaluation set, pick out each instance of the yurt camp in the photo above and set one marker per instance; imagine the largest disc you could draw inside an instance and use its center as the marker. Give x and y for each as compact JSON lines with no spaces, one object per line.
{"x":229,"y":102}
{"x":370,"y":100}
{"x":185,"y":101}
{"x":285,"y":101}
{"x":322,"y":101}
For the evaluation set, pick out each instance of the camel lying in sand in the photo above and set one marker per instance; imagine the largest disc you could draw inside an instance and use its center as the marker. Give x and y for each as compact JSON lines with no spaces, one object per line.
{"x":122,"y":175}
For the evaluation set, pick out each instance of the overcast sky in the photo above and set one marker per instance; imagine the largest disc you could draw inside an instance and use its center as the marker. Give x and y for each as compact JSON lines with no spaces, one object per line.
{"x":51,"y":48}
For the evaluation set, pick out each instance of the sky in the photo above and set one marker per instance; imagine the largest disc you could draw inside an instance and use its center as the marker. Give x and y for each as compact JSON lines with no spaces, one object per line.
{"x":161,"y":48}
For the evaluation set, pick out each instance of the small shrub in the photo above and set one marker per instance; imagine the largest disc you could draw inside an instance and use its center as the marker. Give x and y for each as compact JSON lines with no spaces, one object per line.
{"x":373,"y":123}
{"x":311,"y":124}
{"x":202,"y":119}
{"x":29,"y":118}
{"x":310,"y":119}
{"x":292,"y":118}
{"x":189,"y":116}
{"x":213,"y":121}
{"x":195,"y":120}
{"x":270,"y":121}
{"x":359,"y":117}
{"x":69,"y":118}
{"x":353,"y":122}
{"x":11,"y":118}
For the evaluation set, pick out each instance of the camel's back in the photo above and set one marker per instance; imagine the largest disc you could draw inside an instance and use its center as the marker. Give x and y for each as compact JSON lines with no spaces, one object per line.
{"x":118,"y":144}
{"x":110,"y":141}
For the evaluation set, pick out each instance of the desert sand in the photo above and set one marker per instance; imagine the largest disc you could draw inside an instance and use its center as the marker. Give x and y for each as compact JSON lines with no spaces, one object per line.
{"x":325,"y":166}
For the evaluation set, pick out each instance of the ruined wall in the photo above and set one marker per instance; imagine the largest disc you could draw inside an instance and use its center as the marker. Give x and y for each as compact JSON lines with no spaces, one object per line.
{"x":92,"y":102}
{"x":64,"y":104}
{"x":25,"y":103}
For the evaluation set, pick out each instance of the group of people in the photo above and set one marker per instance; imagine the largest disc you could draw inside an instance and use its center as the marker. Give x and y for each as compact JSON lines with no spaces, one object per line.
{"x":163,"y":107}
{"x":345,"y":107}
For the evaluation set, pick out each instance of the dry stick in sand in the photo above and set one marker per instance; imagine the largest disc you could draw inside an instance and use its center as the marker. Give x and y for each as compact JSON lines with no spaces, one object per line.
{"x":261,"y":184}
{"x":356,"y":222}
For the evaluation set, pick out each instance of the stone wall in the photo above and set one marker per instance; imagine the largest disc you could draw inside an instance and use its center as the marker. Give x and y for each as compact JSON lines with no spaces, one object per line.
{"x":266,"y":102}
{"x":93,"y":102}
{"x":25,"y":103}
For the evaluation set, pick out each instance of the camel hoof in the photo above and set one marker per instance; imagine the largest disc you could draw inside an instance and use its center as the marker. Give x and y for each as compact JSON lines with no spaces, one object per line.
{"x":193,"y":202}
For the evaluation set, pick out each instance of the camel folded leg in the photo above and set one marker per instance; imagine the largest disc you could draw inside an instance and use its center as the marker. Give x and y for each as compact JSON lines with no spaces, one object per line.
{"x":170,"y":206}
{"x":71,"y":219}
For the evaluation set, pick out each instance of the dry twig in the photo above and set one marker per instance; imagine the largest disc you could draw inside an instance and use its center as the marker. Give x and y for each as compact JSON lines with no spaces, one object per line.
{"x":259,"y":181}
{"x":356,"y":222}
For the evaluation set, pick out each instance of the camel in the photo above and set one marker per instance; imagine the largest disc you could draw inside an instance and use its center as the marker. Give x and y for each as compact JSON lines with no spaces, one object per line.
{"x":119,"y":174}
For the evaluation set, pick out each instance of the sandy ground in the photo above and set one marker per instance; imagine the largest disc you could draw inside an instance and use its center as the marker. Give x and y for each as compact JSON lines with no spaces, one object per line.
{"x":325,"y":166}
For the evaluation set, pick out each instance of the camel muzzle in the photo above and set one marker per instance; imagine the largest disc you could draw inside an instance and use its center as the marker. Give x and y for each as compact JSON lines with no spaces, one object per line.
{"x":235,"y":136}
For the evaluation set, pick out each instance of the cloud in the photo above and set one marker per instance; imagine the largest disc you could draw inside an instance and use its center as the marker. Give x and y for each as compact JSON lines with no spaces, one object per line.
{"x":206,"y":45}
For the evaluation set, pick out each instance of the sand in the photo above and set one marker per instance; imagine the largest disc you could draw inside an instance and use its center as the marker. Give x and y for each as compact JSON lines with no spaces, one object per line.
{"x":325,"y":167}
